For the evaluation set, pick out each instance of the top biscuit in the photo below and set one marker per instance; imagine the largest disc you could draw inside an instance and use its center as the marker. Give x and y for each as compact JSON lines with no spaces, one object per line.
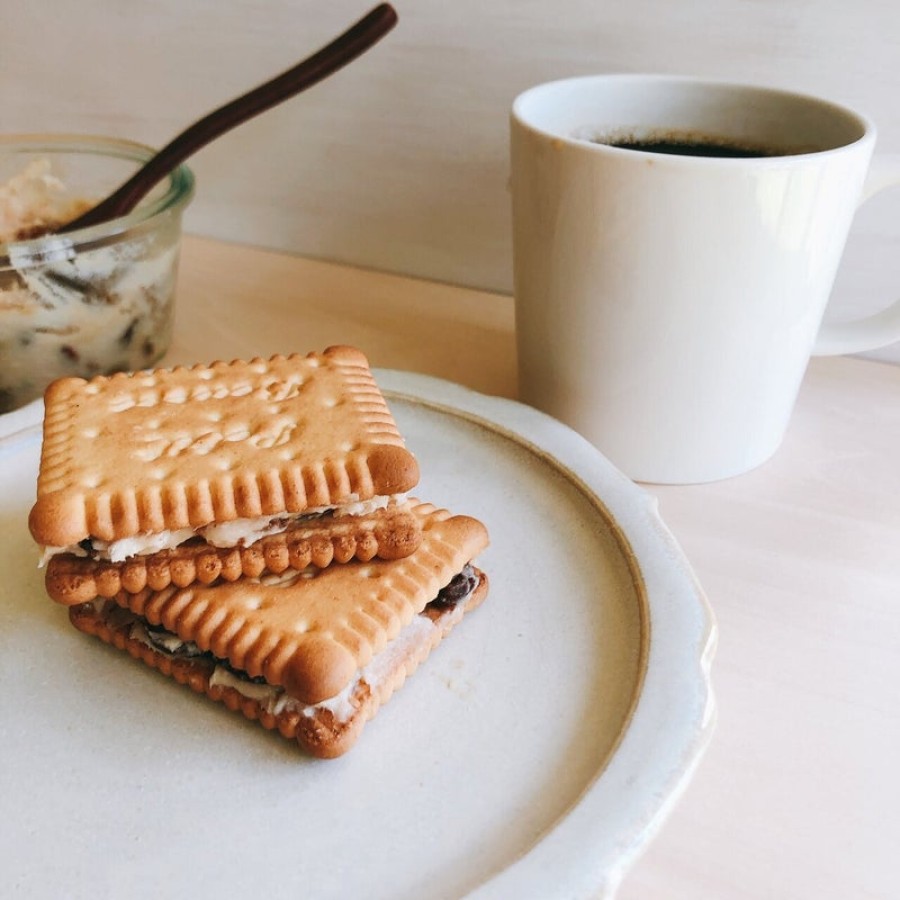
{"x":140,"y":453}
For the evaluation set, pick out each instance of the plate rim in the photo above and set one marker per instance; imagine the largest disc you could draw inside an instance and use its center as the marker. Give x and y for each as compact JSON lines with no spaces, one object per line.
{"x":641,"y":780}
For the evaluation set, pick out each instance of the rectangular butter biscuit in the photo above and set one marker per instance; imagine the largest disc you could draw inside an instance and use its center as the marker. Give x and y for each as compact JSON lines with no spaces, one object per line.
{"x":221,"y":456}
{"x":325,"y":730}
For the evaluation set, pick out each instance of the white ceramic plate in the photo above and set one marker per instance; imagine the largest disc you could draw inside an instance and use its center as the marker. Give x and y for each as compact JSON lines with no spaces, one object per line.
{"x":20,"y":423}
{"x":532,"y":756}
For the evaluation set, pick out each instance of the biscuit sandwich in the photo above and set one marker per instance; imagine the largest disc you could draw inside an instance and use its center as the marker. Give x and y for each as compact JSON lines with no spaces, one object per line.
{"x":311,"y":654}
{"x":193,"y":476}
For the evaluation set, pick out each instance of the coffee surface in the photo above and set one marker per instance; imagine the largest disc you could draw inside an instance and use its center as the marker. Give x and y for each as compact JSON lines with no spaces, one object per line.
{"x":689,"y":147}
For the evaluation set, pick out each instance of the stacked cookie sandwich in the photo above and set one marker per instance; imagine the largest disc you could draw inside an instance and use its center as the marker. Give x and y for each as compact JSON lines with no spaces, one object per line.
{"x":246,"y":529}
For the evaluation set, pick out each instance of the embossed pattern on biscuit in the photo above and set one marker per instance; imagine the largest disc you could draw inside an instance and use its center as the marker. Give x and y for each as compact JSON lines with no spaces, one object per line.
{"x":309,"y":632}
{"x":137,"y":453}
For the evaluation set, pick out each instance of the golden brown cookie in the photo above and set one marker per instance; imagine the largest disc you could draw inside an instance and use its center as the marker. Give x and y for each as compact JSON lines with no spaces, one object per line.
{"x":325,"y":730}
{"x":389,"y":533}
{"x":149,"y":452}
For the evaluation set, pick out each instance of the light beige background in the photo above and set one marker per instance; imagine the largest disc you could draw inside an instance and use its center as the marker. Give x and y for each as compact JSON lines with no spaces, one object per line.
{"x":400,"y":161}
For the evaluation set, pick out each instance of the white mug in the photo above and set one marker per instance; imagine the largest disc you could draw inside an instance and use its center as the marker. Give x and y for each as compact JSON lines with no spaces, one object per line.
{"x":667,"y":304}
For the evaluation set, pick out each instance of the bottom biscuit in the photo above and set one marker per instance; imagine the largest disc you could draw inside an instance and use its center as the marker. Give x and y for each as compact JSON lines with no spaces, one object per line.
{"x":393,"y":532}
{"x":326,"y":729}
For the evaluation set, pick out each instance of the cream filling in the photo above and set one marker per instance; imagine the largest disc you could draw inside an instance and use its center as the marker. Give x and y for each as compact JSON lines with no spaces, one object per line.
{"x":162,"y":640}
{"x":237,"y":533}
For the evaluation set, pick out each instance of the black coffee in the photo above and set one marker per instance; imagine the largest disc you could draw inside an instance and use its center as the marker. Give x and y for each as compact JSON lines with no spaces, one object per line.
{"x":688,"y":147}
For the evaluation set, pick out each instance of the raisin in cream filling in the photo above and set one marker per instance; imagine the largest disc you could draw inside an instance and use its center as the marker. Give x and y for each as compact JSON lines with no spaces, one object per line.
{"x":273,"y":699}
{"x":237,"y":533}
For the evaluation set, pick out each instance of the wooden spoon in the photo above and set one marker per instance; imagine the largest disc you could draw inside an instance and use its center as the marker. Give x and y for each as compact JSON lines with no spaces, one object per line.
{"x":342,"y":50}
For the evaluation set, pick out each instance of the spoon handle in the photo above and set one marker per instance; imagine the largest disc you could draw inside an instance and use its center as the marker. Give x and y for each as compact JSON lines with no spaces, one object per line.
{"x":342,"y":50}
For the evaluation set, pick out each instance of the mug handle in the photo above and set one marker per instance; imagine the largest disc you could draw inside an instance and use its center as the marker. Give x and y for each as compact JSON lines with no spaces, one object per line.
{"x":883,"y":327}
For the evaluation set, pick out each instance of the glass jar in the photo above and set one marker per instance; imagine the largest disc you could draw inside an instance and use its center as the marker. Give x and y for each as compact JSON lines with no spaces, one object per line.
{"x":96,"y":300}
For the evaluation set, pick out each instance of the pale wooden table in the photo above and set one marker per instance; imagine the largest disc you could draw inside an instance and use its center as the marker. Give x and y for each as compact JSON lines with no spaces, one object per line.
{"x":799,"y":793}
